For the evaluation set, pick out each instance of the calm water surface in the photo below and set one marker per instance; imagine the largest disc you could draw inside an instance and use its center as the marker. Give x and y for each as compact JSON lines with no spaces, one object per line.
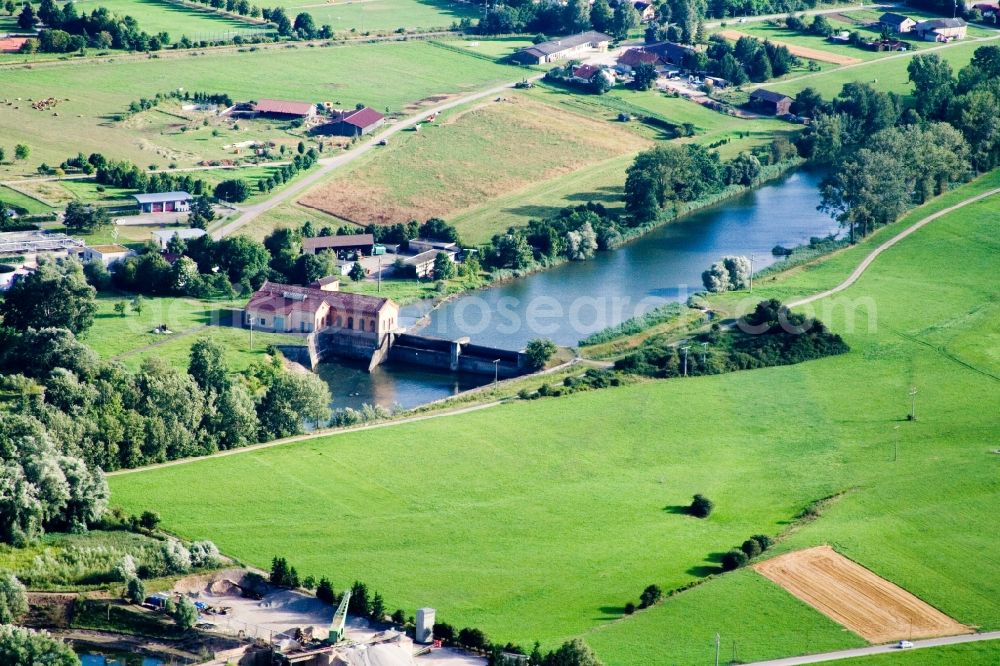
{"x":576,"y":299}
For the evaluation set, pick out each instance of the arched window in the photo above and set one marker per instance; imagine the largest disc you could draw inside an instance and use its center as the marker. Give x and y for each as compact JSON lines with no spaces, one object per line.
{"x":340,"y":322}
{"x":350,"y":323}
{"x":361,"y":324}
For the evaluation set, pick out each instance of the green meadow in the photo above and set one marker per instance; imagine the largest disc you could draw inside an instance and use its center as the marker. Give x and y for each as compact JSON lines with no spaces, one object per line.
{"x":130,"y":338}
{"x":364,"y":16}
{"x":155,"y":16}
{"x":888,"y":73}
{"x":578,"y":506}
{"x":391,"y":76}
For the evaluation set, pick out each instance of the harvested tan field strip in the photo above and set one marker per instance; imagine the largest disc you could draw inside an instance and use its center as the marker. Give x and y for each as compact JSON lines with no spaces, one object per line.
{"x":801,"y":51}
{"x":470,"y":155}
{"x":865,"y":603}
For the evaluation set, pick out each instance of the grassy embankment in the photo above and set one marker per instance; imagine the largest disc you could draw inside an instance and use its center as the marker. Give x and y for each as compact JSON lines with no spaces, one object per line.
{"x":576,"y":510}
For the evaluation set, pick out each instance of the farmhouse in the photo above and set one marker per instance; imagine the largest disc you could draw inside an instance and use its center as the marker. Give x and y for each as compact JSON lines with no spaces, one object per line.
{"x":352,"y":123}
{"x":632,"y":58}
{"x":585,"y":72}
{"x":10,"y":44}
{"x":770,"y":102}
{"x":163,"y":202}
{"x":284,"y":308}
{"x":282,"y":110}
{"x":941,"y":30}
{"x":560,"y":49}
{"x":162,"y":237}
{"x":670,"y":53}
{"x":647,"y":12}
{"x":361,"y":243}
{"x":896,"y":22}
{"x":106,"y":254}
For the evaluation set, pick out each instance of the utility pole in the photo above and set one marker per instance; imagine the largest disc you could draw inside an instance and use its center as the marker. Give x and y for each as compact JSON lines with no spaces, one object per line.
{"x":496,"y":375}
{"x":380,"y":273}
{"x":913,"y":403}
{"x":685,"y":350}
{"x":751,"y":273}
{"x":251,"y":333}
{"x":718,"y":640}
{"x":704,"y":353}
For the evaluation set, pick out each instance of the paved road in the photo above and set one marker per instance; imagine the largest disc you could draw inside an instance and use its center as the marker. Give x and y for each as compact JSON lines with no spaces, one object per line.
{"x":879,"y":649}
{"x":328,"y":164}
{"x":863,"y":266}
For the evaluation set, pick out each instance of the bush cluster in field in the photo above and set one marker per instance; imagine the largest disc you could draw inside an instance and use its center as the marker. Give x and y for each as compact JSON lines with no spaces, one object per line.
{"x":776,"y":337}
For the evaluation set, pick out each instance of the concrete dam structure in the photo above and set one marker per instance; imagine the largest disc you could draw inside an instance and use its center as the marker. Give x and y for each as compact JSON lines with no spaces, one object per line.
{"x":415,"y":350}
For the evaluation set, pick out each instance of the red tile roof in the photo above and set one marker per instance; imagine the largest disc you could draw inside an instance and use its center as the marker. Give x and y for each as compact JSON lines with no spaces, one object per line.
{"x":287,"y":108}
{"x":363,"y":118}
{"x":636,"y":57}
{"x":274,"y":297}
{"x":585,"y":71}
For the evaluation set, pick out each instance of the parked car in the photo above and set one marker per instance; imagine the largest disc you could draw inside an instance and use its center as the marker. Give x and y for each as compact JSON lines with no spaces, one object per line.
{"x":904,"y":645}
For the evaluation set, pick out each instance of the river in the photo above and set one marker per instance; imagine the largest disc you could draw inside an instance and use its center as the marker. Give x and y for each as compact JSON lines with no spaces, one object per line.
{"x":568,"y":302}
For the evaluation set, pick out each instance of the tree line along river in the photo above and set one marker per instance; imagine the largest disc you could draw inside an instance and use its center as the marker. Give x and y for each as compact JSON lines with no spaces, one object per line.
{"x":573,"y":300}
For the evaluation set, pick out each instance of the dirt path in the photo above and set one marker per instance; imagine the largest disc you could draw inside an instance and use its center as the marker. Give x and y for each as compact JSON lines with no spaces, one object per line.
{"x":867,"y":261}
{"x":796,"y":50}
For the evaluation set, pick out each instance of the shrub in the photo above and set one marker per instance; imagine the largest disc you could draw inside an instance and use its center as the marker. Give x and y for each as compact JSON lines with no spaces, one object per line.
{"x":474,"y":639}
{"x":629,"y":608}
{"x":751,"y":548}
{"x":734,"y":559}
{"x":185,"y":615}
{"x":135,"y":591}
{"x":763,"y":541}
{"x":539,"y":351}
{"x":324,"y":591}
{"x":205,"y":554}
{"x":149,"y":520}
{"x":13,"y":599}
{"x":701,"y":506}
{"x":650,"y":596}
{"x":125,"y":570}
{"x":444,"y":632}
{"x":176,"y":558}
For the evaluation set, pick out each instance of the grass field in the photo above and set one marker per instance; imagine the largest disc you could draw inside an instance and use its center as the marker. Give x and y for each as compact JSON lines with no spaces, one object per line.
{"x":466,"y":157}
{"x":887,"y":73}
{"x":16,"y":198}
{"x":576,"y":510}
{"x":130,"y":338}
{"x":155,"y":16}
{"x":407,"y":73}
{"x":365,"y":16}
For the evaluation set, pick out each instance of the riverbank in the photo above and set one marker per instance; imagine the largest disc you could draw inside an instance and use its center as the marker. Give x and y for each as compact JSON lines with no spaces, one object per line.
{"x":501,"y":277}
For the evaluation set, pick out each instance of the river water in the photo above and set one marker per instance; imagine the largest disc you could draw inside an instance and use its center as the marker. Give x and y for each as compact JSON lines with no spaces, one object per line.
{"x":571,"y":301}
